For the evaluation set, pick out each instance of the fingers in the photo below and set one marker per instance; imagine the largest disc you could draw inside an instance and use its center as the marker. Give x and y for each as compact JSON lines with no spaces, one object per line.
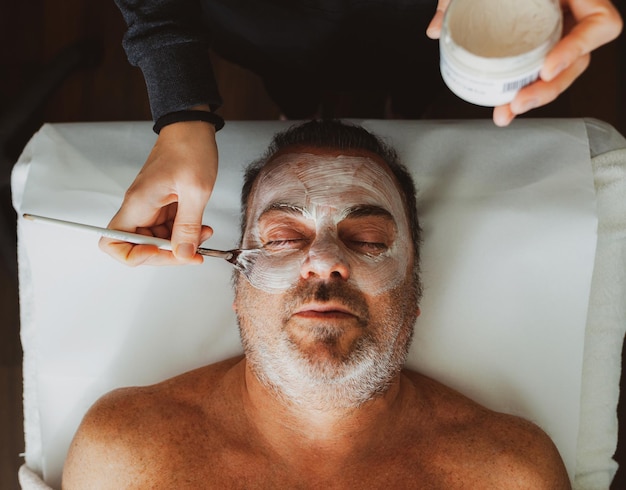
{"x":136,"y":215}
{"x":168,"y":197}
{"x":134,"y":255}
{"x":502,"y":115}
{"x":142,"y":213}
{"x":188,"y":230}
{"x":433,"y":30}
{"x":588,"y":24}
{"x":539,"y":93}
{"x":190,"y":234}
{"x":594,"y":23}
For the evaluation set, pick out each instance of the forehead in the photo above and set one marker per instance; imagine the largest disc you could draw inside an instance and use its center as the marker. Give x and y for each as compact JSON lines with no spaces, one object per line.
{"x":330,"y":178}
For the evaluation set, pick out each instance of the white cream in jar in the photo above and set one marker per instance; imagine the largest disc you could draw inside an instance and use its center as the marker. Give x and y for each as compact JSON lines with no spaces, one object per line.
{"x":490,"y":49}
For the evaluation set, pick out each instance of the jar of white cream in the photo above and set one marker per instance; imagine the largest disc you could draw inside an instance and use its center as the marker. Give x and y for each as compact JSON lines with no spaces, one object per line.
{"x":490,"y":49}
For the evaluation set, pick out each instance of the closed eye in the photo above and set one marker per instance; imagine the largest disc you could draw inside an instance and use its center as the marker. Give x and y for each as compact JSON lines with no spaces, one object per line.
{"x":282,"y":230}
{"x":282,"y":244}
{"x":368,"y":234}
{"x":370,"y":248}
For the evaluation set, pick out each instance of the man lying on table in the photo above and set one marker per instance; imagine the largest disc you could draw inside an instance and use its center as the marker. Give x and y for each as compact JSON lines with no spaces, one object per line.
{"x":320,"y":398}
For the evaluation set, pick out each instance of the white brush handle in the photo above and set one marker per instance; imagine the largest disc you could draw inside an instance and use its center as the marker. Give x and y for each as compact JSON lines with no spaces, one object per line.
{"x":124,"y":236}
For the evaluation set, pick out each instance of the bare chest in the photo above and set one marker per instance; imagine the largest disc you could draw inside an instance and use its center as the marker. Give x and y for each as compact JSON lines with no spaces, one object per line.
{"x":247,"y":466}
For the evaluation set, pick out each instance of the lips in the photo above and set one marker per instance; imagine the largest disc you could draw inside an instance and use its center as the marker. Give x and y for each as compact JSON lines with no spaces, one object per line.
{"x":325,"y":310}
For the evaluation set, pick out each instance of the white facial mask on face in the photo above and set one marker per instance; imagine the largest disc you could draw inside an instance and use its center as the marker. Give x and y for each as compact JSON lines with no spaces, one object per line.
{"x":302,"y":213}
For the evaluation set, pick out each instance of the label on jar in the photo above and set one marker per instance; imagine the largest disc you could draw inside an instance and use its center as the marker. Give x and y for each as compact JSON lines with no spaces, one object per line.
{"x":485,"y":91}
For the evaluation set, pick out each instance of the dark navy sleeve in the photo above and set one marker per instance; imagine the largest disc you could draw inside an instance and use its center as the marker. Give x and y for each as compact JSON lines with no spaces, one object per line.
{"x":168,"y":40}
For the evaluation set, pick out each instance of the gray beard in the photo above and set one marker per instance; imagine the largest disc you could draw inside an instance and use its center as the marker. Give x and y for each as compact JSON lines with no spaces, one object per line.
{"x":328,"y":384}
{"x":322,"y":386}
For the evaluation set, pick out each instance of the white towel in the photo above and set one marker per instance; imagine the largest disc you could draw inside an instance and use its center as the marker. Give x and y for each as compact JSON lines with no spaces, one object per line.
{"x":606,"y":325}
{"x":29,"y":480}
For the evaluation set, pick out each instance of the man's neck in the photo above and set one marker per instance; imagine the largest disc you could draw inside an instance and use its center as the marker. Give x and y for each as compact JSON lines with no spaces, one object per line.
{"x":290,"y":428}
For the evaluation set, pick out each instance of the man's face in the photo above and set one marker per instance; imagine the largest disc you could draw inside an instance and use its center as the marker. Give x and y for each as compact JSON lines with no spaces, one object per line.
{"x":329,"y":309}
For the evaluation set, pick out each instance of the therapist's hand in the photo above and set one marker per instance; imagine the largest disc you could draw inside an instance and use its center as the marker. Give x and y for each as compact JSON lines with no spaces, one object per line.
{"x":587,"y":24}
{"x":168,"y":197}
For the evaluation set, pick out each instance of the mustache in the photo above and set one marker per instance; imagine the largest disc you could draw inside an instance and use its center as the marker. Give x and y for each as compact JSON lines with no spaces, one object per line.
{"x":324,"y":292}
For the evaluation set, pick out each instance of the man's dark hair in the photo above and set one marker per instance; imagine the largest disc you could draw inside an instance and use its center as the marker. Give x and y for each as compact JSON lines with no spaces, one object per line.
{"x":338,"y":135}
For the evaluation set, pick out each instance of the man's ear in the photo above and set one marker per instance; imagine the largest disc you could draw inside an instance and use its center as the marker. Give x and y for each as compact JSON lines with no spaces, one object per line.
{"x":419,"y":311}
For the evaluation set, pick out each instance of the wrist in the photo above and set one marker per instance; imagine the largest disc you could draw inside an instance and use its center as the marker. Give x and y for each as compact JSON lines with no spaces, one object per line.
{"x":194,"y":115}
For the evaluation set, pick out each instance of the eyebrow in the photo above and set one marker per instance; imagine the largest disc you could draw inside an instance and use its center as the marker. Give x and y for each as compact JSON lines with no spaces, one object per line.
{"x":284,"y":207}
{"x":367,"y":210}
{"x":353,"y":212}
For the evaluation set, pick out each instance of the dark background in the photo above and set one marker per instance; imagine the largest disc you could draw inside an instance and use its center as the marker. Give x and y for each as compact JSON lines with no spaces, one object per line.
{"x":68,"y":54}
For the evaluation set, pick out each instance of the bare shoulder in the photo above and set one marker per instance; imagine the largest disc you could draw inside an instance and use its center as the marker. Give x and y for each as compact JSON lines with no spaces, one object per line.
{"x":132,"y":430}
{"x":487,"y":446}
{"x":531,"y":455}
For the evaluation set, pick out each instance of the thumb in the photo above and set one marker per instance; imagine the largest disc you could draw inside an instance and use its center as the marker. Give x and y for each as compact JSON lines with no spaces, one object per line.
{"x":433,"y":30}
{"x":186,"y":232}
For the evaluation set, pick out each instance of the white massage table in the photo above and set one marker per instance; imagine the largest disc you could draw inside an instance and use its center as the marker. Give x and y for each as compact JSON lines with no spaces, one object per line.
{"x":524,"y":265}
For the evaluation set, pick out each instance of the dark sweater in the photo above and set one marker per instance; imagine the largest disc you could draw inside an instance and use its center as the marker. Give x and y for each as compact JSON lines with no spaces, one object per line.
{"x":307,"y":44}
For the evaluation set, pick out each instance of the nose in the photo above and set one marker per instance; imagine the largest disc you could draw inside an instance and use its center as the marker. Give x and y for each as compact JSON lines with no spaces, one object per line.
{"x":325,"y":260}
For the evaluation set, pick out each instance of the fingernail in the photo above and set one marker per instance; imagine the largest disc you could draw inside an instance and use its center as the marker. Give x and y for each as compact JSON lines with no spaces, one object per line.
{"x":502,"y":121}
{"x":185,"y":251}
